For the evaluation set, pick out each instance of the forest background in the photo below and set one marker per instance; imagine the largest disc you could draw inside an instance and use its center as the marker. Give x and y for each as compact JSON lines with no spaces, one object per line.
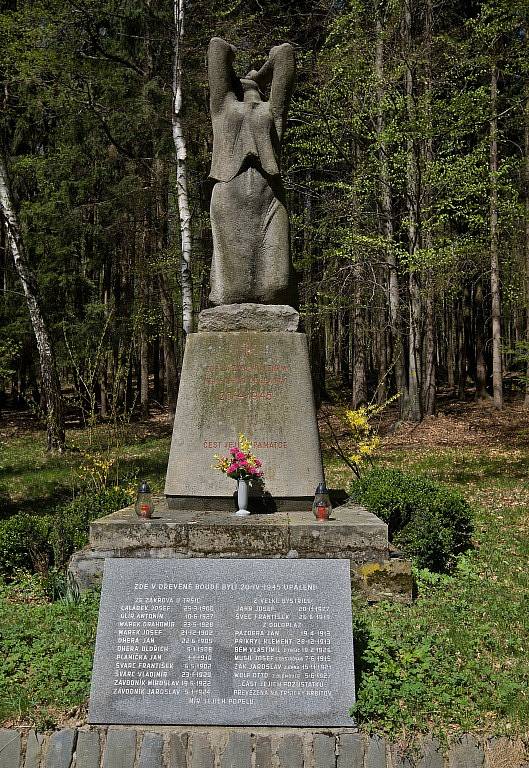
{"x":406,"y":164}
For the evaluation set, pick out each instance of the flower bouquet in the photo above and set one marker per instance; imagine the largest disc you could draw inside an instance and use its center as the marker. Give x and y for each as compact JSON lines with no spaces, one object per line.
{"x":243,"y":466}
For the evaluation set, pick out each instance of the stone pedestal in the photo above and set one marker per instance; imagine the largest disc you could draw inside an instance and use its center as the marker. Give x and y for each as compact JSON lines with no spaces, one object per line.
{"x":251,"y":382}
{"x":353,"y":534}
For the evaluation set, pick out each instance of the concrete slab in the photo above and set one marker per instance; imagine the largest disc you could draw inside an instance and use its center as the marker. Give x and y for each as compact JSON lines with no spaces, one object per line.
{"x":211,"y":532}
{"x":352,"y":533}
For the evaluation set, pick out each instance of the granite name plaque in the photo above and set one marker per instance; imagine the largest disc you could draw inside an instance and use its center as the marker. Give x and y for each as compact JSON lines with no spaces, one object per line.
{"x":224,"y":642}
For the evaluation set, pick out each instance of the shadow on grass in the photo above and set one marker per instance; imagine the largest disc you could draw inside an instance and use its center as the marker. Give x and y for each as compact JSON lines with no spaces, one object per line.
{"x":33,"y":505}
{"x":361,"y":636}
{"x":150,"y":467}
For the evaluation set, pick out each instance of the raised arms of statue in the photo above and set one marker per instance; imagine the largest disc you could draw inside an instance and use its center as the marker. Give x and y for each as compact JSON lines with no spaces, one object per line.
{"x":278,"y":72}
{"x":249,"y":220}
{"x":221,"y":75}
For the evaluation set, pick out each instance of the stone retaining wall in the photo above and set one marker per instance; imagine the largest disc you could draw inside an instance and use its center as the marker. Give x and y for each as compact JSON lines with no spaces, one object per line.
{"x":195,"y":747}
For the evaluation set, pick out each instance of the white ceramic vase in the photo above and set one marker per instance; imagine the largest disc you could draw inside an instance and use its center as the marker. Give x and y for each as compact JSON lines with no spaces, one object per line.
{"x":242,"y":498}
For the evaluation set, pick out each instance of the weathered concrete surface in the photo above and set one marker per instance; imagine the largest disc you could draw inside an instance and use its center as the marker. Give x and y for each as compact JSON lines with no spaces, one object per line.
{"x":151,"y":753}
{"x":34,"y":744}
{"x":290,"y":751}
{"x":120,"y":748}
{"x":353,"y":533}
{"x":351,"y":750}
{"x":249,"y":317}
{"x":177,"y":755}
{"x":263,"y":752}
{"x":88,"y":749}
{"x":238,"y":751}
{"x":200,"y":747}
{"x":432,"y":754}
{"x":60,"y":748}
{"x":467,"y":752}
{"x":376,"y":753}
{"x":251,"y":382}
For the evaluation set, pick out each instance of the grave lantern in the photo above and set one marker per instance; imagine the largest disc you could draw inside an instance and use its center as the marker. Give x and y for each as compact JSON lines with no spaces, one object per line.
{"x":144,"y":506}
{"x":321,"y":505}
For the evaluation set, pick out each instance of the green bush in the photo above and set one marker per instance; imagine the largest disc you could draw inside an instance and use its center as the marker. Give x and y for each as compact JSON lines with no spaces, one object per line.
{"x":426,"y":520}
{"x":71,"y":521}
{"x":35,"y":542}
{"x":24,"y":543}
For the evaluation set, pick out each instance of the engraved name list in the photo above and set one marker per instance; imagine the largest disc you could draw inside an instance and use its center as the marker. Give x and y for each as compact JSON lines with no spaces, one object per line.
{"x":218,"y":642}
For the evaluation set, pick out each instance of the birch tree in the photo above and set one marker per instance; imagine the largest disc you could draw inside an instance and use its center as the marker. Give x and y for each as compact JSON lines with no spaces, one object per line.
{"x":181,"y":170}
{"x":50,"y":380}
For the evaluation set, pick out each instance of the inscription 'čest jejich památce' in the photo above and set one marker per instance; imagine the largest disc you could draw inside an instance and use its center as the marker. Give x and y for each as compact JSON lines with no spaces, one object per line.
{"x":255,"y":383}
{"x":216,"y":642}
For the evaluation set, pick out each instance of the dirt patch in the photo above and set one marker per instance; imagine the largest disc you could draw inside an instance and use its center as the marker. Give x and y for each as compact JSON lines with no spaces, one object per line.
{"x":477,"y":425}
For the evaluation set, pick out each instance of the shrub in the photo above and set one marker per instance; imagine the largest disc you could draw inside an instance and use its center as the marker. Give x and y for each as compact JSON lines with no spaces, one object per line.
{"x":35,"y":542}
{"x":24,"y":543}
{"x":426,"y":520}
{"x":71,"y":521}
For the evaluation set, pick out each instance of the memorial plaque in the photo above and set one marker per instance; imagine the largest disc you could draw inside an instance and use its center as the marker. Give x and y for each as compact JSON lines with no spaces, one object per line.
{"x":224,"y":642}
{"x":255,"y":383}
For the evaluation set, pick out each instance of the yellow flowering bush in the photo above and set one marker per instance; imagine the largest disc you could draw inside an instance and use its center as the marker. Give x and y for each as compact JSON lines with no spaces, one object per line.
{"x":96,"y":469}
{"x":361,"y":434}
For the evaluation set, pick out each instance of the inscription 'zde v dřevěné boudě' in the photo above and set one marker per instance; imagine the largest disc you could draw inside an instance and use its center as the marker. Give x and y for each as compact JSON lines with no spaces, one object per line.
{"x":224,"y":642}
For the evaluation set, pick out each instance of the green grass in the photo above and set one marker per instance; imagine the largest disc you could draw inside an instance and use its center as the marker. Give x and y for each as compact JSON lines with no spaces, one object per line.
{"x":47,"y":651}
{"x":35,"y":481}
{"x":457,"y":659}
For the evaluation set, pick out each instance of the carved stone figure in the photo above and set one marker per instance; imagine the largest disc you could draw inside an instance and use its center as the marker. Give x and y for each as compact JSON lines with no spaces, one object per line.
{"x":249,"y":220}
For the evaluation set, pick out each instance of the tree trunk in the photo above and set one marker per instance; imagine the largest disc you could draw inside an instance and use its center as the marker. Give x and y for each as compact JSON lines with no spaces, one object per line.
{"x":181,"y":171}
{"x":479,"y":333}
{"x":497,"y":374}
{"x":50,"y":380}
{"x":144,"y":372}
{"x":345,"y":359}
{"x":386,"y":227}
{"x":359,"y":396}
{"x":171,"y":367}
{"x":428,"y":390}
{"x":526,"y":241}
{"x":156,"y":369}
{"x":451,"y":344}
{"x":414,"y":412}
{"x":464,"y":345}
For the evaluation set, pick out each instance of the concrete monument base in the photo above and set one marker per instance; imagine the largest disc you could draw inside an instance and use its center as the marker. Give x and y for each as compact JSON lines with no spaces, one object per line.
{"x":257,"y":383}
{"x":353,"y":533}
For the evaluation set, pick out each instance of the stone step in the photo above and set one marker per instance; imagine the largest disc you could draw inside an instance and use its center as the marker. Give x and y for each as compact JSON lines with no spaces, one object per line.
{"x":352,"y":533}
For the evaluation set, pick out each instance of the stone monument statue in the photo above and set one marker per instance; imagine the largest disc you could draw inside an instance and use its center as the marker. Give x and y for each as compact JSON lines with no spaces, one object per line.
{"x":251,"y":255}
{"x":246,"y":370}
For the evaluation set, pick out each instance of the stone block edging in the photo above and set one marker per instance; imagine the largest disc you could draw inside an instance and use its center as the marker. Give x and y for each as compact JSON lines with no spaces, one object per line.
{"x":215,"y":747}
